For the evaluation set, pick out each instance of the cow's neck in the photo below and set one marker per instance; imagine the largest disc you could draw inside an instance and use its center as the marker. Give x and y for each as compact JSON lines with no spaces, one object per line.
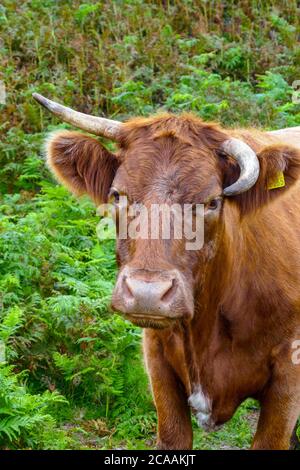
{"x":233,"y":311}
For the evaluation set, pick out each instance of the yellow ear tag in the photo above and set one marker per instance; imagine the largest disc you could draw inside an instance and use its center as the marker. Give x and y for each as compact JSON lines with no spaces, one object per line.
{"x":277,"y":181}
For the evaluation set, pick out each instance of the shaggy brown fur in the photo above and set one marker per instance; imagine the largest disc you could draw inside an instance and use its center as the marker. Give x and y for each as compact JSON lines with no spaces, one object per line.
{"x":245,"y":281}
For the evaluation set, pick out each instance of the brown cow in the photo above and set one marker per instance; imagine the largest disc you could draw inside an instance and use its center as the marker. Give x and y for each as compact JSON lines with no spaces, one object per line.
{"x":223,"y":322}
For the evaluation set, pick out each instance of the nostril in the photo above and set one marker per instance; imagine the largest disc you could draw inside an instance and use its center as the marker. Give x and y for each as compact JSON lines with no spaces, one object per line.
{"x":127,"y":292}
{"x":169,"y":293}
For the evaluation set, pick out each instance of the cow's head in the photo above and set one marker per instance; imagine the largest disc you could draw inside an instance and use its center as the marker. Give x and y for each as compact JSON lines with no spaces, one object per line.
{"x":163,"y":160}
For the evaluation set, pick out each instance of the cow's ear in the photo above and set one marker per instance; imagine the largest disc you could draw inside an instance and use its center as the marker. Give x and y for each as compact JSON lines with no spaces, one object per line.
{"x":279,"y":171}
{"x":82,"y":164}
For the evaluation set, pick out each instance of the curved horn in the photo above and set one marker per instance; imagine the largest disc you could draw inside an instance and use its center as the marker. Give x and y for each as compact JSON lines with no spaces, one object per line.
{"x":248,"y":163}
{"x":94,"y":125}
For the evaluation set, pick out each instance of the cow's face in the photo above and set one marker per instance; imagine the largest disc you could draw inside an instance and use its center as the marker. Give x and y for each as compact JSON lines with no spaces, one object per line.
{"x":157,"y":271}
{"x":158,"y":168}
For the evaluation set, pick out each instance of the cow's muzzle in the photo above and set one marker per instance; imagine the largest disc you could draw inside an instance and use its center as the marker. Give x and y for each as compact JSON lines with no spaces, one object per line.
{"x":152,"y":298}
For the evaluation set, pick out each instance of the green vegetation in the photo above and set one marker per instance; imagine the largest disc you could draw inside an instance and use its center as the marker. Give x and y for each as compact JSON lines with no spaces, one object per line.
{"x":73,"y":376}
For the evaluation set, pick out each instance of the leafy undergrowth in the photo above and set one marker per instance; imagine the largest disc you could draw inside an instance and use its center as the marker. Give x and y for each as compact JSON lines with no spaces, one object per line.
{"x":56,"y":281}
{"x":95,"y":434}
{"x":73,"y":375}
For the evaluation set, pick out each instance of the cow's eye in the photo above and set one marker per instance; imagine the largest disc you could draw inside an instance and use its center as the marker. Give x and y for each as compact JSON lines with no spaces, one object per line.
{"x":213,"y":204}
{"x":114,"y":196}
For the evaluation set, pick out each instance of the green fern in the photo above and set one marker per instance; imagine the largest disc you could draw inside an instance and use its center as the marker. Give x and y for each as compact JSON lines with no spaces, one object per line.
{"x":21,"y":413}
